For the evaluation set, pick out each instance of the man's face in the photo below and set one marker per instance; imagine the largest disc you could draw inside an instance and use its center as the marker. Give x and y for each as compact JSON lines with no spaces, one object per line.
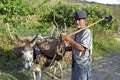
{"x":80,"y":23}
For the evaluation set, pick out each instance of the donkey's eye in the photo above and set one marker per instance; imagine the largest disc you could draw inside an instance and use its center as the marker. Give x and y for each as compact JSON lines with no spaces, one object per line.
{"x":31,"y":52}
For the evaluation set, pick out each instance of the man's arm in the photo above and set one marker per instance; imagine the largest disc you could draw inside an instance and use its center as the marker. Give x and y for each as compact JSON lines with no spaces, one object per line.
{"x":73,"y":43}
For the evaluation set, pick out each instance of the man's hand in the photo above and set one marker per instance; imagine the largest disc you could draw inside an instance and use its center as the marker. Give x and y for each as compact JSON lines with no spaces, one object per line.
{"x":64,"y":37}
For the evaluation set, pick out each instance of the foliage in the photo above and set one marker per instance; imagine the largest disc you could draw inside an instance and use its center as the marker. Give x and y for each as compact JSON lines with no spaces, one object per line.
{"x":44,"y":22}
{"x":57,"y":15}
{"x":105,"y":44}
{"x":101,"y":30}
{"x":16,"y":76}
{"x":95,"y":13}
{"x":63,"y":13}
{"x":11,"y":10}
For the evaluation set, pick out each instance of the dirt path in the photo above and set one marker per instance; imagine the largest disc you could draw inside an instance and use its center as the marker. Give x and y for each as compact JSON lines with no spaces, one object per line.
{"x":107,"y":68}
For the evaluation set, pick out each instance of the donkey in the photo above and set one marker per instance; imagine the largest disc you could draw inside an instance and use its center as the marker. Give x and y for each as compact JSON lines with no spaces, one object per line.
{"x":24,"y":50}
{"x":31,"y":61}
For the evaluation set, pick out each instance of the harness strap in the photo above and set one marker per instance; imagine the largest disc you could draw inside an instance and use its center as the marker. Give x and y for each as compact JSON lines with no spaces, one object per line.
{"x":52,"y":60}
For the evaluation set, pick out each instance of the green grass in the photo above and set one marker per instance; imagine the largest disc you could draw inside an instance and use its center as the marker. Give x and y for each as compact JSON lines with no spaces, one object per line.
{"x":16,"y":76}
{"x":106,"y":45}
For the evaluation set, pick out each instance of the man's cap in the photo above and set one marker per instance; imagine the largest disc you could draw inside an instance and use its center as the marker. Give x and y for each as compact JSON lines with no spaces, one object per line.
{"x":80,"y":14}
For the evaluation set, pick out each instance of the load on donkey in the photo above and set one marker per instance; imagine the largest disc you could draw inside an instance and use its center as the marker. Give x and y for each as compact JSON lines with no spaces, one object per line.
{"x":51,"y":48}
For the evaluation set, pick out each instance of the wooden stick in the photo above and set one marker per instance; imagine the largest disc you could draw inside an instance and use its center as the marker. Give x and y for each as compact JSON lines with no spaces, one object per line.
{"x":9,"y":31}
{"x":86,"y":27}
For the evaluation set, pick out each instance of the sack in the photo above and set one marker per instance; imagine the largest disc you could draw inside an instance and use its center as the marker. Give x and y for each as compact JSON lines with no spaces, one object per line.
{"x":51,"y":47}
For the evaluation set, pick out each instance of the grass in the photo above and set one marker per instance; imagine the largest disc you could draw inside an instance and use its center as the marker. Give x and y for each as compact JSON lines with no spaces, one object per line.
{"x":106,"y":45}
{"x":16,"y":76}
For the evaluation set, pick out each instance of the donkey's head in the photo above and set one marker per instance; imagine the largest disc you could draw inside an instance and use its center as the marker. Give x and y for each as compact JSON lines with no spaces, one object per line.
{"x":27,"y":51}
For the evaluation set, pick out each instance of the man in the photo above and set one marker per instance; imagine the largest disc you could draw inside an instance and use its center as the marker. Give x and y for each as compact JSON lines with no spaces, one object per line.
{"x":81,"y":46}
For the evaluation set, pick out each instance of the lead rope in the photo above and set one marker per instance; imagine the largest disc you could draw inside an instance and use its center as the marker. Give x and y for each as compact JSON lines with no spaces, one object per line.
{"x":52,"y":60}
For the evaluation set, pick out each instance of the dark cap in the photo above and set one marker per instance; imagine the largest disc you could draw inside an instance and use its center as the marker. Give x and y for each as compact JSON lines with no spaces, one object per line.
{"x":80,"y":14}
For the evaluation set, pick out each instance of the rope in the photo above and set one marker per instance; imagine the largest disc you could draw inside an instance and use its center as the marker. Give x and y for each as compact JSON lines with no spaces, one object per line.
{"x":52,"y":60}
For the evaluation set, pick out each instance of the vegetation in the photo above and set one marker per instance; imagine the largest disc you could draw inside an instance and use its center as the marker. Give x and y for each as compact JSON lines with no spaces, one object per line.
{"x":26,"y":18}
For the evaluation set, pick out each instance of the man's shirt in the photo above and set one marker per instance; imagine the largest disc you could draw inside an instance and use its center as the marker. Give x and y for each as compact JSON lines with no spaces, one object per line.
{"x":84,"y":38}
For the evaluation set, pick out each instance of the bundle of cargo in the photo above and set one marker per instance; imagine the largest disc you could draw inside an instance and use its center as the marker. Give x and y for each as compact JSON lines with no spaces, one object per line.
{"x":51,"y":48}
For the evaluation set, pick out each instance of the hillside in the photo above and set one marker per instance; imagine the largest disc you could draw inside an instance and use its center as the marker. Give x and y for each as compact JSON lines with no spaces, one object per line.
{"x":114,"y":8}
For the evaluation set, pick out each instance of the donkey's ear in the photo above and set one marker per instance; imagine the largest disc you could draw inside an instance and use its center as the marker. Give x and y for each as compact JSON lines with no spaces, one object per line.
{"x":34,"y":38}
{"x":32,"y":43}
{"x":17,"y":37}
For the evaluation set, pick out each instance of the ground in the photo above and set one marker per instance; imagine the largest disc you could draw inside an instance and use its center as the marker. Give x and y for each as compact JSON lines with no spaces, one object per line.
{"x":107,"y":68}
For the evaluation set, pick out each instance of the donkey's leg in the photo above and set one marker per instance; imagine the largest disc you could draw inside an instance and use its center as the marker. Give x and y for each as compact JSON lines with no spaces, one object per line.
{"x":54,"y":72}
{"x":39,"y":75}
{"x":61,"y":69}
{"x":34,"y":75}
